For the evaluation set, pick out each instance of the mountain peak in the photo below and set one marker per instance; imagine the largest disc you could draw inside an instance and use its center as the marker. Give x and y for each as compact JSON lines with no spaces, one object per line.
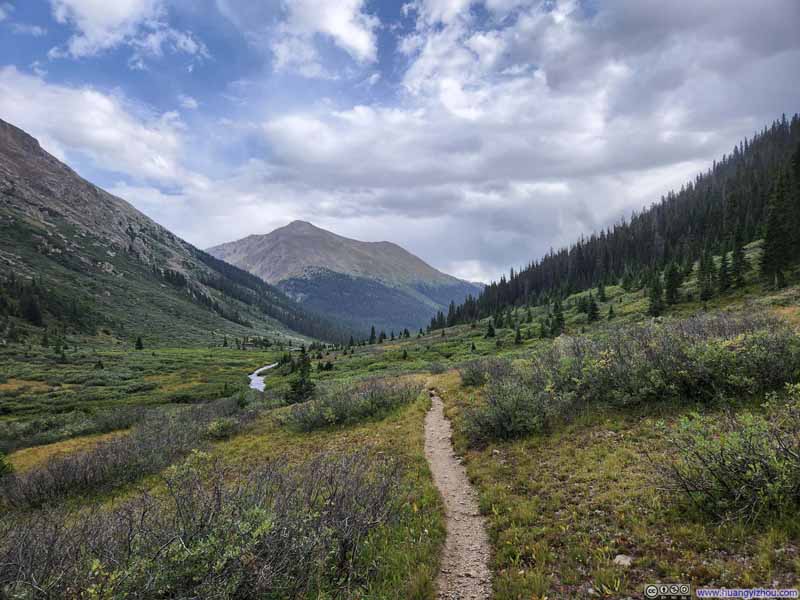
{"x":14,"y":137}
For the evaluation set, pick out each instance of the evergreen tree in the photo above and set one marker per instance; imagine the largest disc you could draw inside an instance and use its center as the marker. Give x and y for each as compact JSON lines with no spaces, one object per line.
{"x":738,"y":264}
{"x":300,"y":386}
{"x":518,"y":336}
{"x":557,"y":323}
{"x":473,"y":348}
{"x":601,"y":292}
{"x":593,"y":311}
{"x":405,"y":354}
{"x":611,"y":312}
{"x":490,"y":330}
{"x":543,"y":329}
{"x":724,"y":279}
{"x":29,"y":307}
{"x":139,"y":344}
{"x":372,"y":335}
{"x":656,"y":296}
{"x":706,"y":276}
{"x":672,"y":283}
{"x":777,"y":239}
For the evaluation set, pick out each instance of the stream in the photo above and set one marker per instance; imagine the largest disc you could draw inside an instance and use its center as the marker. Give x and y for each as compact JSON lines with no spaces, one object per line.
{"x":257,"y":380}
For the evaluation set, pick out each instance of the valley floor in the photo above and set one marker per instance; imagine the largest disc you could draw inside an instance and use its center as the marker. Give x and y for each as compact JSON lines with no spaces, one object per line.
{"x":579,"y":510}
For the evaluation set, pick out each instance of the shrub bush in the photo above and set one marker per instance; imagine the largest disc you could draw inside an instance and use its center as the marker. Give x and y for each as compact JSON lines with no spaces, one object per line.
{"x":473,"y":373}
{"x":436,"y":368}
{"x":5,"y":466}
{"x":221,"y":429}
{"x":698,"y":359}
{"x":744,"y":467}
{"x":345,"y":404}
{"x":513,"y":408}
{"x":281,"y":533}
{"x":157,"y":441}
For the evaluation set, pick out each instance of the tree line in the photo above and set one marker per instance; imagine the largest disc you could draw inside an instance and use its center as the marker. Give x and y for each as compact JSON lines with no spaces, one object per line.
{"x":751,"y":193}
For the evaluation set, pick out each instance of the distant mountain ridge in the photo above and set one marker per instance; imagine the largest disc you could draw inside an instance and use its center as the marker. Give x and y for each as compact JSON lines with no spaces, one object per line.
{"x":86,"y":259}
{"x":360,"y":283}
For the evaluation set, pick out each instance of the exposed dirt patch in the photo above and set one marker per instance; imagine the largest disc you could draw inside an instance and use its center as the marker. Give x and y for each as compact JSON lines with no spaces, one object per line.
{"x":464,"y":573}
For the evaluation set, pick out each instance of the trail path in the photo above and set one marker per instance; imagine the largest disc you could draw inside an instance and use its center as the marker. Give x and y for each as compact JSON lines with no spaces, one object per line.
{"x":464,"y":573}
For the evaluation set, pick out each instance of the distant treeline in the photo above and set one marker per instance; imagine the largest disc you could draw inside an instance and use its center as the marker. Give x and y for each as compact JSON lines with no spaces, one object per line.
{"x":752,"y":193}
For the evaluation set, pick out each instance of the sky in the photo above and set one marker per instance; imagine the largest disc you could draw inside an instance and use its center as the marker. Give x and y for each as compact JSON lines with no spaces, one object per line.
{"x":477,"y":134}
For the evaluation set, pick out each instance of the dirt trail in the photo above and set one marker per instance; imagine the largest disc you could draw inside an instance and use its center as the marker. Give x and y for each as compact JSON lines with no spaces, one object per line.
{"x":464,"y":573}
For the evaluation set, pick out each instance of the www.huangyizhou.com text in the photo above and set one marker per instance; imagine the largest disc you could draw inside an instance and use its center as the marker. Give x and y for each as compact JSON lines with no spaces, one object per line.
{"x":746,"y":593}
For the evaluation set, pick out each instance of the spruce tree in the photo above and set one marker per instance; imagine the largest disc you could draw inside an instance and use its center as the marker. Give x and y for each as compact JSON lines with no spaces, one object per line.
{"x":723,"y":279}
{"x":372,"y":335}
{"x":139,"y":344}
{"x":490,"y":330}
{"x":672,"y":283}
{"x":777,"y":239}
{"x":610,"y":312}
{"x":656,"y":306}
{"x":601,"y":292}
{"x":557,"y":324}
{"x":301,"y":387}
{"x":518,"y":335}
{"x":739,"y":263}
{"x":593,"y":311}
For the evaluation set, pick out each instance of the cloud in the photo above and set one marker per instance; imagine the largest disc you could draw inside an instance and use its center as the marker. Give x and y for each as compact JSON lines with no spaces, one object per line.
{"x":83,"y":122}
{"x":188,"y":102}
{"x":5,"y":10}
{"x":141,"y":24}
{"x":499,"y":129}
{"x":296,"y":32}
{"x":34,"y":30}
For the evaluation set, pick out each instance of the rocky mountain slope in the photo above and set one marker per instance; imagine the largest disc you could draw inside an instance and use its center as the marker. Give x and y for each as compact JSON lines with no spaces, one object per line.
{"x":88,"y":260}
{"x":361,"y":283}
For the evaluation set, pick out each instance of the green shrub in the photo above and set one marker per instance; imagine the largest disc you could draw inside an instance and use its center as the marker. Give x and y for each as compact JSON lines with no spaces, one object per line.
{"x":513,"y":409}
{"x":744,"y":467}
{"x":473,"y":374}
{"x":344,"y":404}
{"x":222,"y":428}
{"x":436,"y":368}
{"x":5,"y":466}
{"x":298,"y":532}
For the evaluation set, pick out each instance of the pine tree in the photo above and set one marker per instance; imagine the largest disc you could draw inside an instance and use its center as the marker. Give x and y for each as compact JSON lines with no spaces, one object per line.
{"x":543,"y":329}
{"x":139,"y":344}
{"x":301,"y":387}
{"x":405,"y":354}
{"x":29,"y":307}
{"x":473,"y":348}
{"x":372,"y":335}
{"x":611,"y":312}
{"x":518,"y":335}
{"x":557,"y":324}
{"x":738,"y":264}
{"x":706,"y":276}
{"x":777,"y":239}
{"x":490,"y":330}
{"x":723,"y":279}
{"x":593,"y":311}
{"x":656,"y":305}
{"x":601,"y":292}
{"x":672,"y":283}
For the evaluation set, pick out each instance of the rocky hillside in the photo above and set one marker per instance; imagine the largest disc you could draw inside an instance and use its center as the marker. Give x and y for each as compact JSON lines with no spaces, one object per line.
{"x":74,"y":256}
{"x":361,"y":283}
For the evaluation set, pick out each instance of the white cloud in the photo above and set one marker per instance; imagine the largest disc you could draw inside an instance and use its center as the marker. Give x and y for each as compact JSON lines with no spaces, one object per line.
{"x":115,"y":135}
{"x":102,"y":25}
{"x":188,"y":102}
{"x":297,"y":32}
{"x":5,"y":10}
{"x":34,"y":30}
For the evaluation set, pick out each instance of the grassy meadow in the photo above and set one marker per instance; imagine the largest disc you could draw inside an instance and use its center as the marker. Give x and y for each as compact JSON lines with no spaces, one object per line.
{"x":580,"y":448}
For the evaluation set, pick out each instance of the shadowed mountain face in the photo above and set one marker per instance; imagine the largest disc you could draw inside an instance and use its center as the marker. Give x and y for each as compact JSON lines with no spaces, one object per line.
{"x":92,"y":261}
{"x":361,"y":283}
